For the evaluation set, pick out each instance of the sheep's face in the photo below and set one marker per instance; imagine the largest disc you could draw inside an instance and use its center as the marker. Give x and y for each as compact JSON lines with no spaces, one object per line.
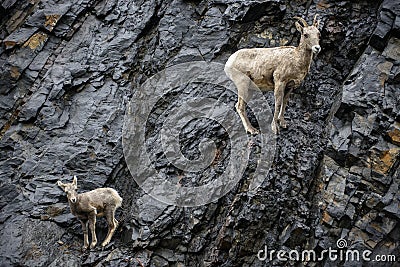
{"x":311,"y":37}
{"x":70,"y":189}
{"x":309,"y":34}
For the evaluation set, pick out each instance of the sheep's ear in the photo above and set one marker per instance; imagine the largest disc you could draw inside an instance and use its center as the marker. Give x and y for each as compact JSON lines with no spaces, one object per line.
{"x":75,"y":182}
{"x":298,"y":27}
{"x":60,"y":184}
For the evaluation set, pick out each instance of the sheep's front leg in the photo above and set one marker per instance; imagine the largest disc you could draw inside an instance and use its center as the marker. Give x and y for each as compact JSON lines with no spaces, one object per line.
{"x":92,"y":226}
{"x":278,"y":94}
{"x":85,"y":234}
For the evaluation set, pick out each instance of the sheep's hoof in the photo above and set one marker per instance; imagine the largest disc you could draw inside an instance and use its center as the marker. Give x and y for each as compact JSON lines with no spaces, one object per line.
{"x":252,"y":131}
{"x":104,"y":244}
{"x":93,"y":245}
{"x":283,"y":123}
{"x":85,"y":247}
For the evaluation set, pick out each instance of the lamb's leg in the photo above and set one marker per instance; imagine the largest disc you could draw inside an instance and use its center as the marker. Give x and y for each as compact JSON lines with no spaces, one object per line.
{"x":281,"y":116}
{"x":85,"y":234}
{"x":112,"y":225}
{"x":278,"y":94}
{"x":241,"y":110}
{"x":92,"y":226}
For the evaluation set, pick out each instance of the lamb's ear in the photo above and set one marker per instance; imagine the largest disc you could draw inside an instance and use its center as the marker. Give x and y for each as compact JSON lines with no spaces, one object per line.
{"x":75,"y":182}
{"x":299,"y":27}
{"x":60,"y":184}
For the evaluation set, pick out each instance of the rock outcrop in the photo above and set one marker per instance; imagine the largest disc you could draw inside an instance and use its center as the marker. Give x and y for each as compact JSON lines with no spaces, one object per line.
{"x":69,"y":69}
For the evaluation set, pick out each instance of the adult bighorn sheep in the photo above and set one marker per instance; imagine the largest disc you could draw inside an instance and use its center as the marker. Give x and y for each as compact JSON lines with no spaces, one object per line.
{"x":280,"y":69}
{"x":89,"y":205}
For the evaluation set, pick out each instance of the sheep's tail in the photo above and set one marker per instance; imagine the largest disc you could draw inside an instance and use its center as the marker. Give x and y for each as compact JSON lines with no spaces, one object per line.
{"x":123,"y":212}
{"x":119,"y":201}
{"x":118,"y":204}
{"x":117,"y":198}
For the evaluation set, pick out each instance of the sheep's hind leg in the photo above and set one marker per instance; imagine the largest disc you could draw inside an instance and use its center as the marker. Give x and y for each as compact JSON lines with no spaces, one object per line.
{"x":241,"y":110}
{"x":112,"y":225}
{"x":281,"y":116}
{"x":242,"y":83}
{"x":278,"y":94}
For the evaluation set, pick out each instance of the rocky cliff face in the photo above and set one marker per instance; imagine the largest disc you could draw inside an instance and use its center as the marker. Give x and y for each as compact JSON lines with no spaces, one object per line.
{"x":69,"y":68}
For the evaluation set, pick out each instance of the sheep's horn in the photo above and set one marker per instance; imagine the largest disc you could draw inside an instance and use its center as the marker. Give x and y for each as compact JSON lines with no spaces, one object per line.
{"x":302,"y":21}
{"x":315,"y":19}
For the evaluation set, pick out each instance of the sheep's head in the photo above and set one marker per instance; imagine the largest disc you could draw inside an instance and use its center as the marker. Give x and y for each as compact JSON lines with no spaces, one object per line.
{"x":70,"y":189}
{"x":309,"y":34}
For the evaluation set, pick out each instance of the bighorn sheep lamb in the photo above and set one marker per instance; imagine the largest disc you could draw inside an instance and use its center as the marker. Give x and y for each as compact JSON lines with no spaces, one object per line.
{"x":280,"y":69}
{"x":86,"y":206}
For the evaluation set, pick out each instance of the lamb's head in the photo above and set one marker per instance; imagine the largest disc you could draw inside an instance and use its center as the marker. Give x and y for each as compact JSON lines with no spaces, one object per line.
{"x":309,"y":34}
{"x":70,"y":189}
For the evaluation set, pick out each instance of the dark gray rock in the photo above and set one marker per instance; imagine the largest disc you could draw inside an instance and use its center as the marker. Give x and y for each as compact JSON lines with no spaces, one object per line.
{"x":370,"y":202}
{"x":150,"y":209}
{"x":34,"y":244}
{"x":67,"y":71}
{"x":19,"y":37}
{"x":254,"y":10}
{"x":380,"y":36}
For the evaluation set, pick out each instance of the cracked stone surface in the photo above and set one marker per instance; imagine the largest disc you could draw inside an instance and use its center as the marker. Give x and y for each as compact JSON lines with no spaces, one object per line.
{"x":69,"y":68}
